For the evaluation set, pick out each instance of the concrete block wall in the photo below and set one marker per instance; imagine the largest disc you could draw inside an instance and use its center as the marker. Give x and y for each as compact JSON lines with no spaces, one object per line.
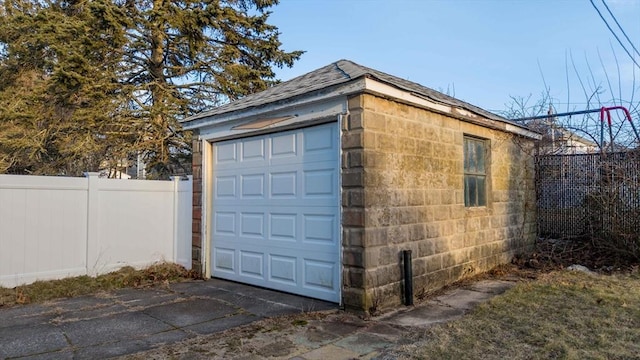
{"x":196,"y":226}
{"x":354,"y":293}
{"x":402,"y":180}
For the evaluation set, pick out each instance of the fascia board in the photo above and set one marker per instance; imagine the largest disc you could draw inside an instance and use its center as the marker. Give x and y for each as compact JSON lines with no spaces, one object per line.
{"x":317,"y":96}
{"x":382,"y":89}
{"x":302,"y":115}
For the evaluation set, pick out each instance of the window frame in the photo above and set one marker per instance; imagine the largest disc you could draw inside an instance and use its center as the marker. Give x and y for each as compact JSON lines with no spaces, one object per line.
{"x":477,"y":175}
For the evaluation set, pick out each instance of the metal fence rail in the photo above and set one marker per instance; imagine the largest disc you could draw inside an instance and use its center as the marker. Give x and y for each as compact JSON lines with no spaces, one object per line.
{"x":586,"y":194}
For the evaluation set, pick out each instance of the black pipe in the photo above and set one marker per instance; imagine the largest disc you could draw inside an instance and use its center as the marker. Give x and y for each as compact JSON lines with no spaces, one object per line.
{"x":408,"y":277}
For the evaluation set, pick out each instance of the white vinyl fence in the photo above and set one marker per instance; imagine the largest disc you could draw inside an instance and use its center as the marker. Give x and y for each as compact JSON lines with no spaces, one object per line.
{"x":55,"y":227}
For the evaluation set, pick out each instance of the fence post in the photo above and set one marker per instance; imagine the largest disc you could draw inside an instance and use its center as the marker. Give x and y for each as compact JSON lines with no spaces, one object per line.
{"x":176,"y":216}
{"x":93,"y":218}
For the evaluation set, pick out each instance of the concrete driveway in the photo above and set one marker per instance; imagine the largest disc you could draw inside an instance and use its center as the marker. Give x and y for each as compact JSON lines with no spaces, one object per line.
{"x":132,"y":320}
{"x":185,"y":320}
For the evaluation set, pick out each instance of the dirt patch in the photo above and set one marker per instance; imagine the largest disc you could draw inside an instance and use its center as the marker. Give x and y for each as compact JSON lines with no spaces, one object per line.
{"x":555,"y":254}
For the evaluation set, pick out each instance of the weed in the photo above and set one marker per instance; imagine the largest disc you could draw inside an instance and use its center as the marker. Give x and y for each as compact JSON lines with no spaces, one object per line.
{"x":560,"y":315}
{"x":39,"y":291}
{"x":234,"y":344}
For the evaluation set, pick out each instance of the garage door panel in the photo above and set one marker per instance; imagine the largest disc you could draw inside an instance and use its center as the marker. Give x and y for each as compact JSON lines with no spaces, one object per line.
{"x":253,"y":150}
{"x":224,"y":260}
{"x":252,"y":186}
{"x":315,"y":277}
{"x":284,"y":146}
{"x":252,"y":224}
{"x":294,"y":248}
{"x":226,"y":153}
{"x":225,"y":187}
{"x":319,"y":275}
{"x":320,"y":144}
{"x":288,"y":181}
{"x":251,"y":264}
{"x":320,"y":183}
{"x":319,"y":228}
{"x":282,"y":226}
{"x":318,"y":225}
{"x":224,"y":223}
{"x":283,"y":269}
{"x":276,"y":211}
{"x":319,"y":139}
{"x":281,"y":201}
{"x":283,"y":184}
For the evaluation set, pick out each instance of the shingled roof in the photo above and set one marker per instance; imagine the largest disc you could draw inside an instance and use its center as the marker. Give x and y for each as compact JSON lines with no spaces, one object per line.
{"x":337,"y":73}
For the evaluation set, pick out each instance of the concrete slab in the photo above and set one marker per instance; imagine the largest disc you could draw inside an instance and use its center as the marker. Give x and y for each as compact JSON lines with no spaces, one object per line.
{"x":56,"y":355}
{"x":191,"y":312}
{"x":363,"y":343}
{"x":141,"y":298}
{"x":25,"y":315}
{"x":247,"y":357}
{"x":304,"y":304}
{"x":25,"y":340}
{"x":231,"y":286}
{"x":425,"y":315}
{"x":196,"y":288}
{"x":279,"y":348}
{"x":330,"y":352}
{"x":80,"y":303}
{"x":257,"y":306}
{"x":167,"y":337}
{"x":298,"y":302}
{"x":314,"y":337}
{"x":388,"y":331}
{"x":222,"y":324}
{"x":113,"y":349}
{"x":112,"y":329}
{"x":101,"y":310}
{"x":132,"y":320}
{"x":340,"y":328}
{"x":495,"y":287}
{"x":131,"y":346}
{"x":464,"y":299}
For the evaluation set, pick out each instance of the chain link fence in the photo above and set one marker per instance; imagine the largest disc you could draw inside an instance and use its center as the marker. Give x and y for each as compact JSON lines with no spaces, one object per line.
{"x":588,"y":195}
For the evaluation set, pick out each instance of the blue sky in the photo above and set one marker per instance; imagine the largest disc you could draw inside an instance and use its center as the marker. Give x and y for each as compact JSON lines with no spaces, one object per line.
{"x":480,"y":51}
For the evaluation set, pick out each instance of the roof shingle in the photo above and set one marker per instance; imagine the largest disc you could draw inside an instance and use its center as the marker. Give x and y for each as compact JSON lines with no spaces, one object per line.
{"x":339,"y":72}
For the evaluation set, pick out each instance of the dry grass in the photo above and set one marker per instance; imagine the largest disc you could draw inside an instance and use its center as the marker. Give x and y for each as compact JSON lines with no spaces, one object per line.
{"x":561,"y":315}
{"x":158,"y":274}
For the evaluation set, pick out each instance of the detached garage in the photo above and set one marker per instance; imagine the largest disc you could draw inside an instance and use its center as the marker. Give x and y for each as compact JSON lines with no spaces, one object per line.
{"x":316,"y":186}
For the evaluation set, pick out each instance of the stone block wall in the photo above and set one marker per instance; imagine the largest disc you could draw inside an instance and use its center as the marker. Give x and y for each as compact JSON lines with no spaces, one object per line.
{"x":402,"y":186}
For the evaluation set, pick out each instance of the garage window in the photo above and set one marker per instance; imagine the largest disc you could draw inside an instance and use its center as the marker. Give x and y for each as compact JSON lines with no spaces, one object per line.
{"x":475,"y":173}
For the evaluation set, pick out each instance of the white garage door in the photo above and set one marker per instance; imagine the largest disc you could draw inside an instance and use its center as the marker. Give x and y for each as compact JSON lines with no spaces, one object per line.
{"x":275,"y":211}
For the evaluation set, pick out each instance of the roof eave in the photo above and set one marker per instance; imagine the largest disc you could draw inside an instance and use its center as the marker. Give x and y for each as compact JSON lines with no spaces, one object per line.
{"x":343,"y":89}
{"x":377,"y":87}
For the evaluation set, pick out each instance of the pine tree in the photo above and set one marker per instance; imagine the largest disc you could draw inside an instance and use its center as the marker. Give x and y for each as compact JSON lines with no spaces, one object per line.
{"x":59,"y":92}
{"x":111,"y":78}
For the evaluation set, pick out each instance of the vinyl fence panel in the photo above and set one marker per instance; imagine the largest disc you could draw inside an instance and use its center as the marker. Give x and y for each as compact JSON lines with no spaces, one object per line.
{"x":43,"y":228}
{"x":54,"y":227}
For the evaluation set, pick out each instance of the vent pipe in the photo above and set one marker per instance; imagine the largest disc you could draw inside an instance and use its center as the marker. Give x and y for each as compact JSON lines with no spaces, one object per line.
{"x":408,"y":277}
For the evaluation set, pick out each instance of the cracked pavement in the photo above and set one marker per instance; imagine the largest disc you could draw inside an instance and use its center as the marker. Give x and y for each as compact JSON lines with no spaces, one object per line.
{"x":219,"y":319}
